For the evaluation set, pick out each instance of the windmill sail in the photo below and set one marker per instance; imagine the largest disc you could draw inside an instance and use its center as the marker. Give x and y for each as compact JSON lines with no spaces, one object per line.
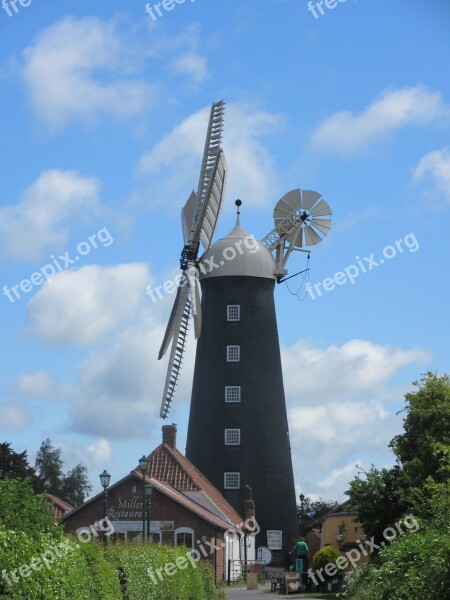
{"x":198,"y":219}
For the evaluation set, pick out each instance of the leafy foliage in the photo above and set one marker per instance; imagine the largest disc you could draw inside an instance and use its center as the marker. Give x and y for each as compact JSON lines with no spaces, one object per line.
{"x":15,"y":465}
{"x":49,"y":465}
{"x":328,"y":554}
{"x":186,"y":583}
{"x":75,"y":485}
{"x":72,"y":486}
{"x":423,"y":460}
{"x":319,"y":508}
{"x":67,"y":570}
{"x":415,"y":566}
{"x":379,"y":499}
{"x":22,"y":510}
{"x":423,"y":448}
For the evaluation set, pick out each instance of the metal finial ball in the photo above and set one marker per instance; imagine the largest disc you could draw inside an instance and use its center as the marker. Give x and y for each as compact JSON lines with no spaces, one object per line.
{"x":238,"y":202}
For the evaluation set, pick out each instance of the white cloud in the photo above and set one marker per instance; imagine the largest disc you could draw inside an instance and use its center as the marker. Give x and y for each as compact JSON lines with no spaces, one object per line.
{"x":100,"y":452}
{"x":176,"y":160}
{"x":120,"y":382}
{"x":338,"y":402}
{"x":335,"y":484}
{"x":348,"y":133}
{"x":77,"y":69}
{"x":39,"y":385}
{"x":40,"y":222}
{"x":191,"y":65}
{"x":435,"y":168}
{"x":94,"y":457}
{"x":80,"y":307}
{"x":126,"y":383}
{"x":14,"y":417}
{"x":356,"y":367}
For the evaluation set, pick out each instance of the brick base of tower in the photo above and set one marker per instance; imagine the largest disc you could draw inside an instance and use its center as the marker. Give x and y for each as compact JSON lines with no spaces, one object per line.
{"x":263,"y":457}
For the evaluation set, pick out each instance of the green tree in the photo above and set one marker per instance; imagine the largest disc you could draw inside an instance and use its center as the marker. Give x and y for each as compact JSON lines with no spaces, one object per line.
{"x":423,"y":461}
{"x":423,"y":448}
{"x":49,"y":465}
{"x":15,"y":465}
{"x":379,"y":499}
{"x":75,"y":485}
{"x":72,"y":486}
{"x":313,"y":511}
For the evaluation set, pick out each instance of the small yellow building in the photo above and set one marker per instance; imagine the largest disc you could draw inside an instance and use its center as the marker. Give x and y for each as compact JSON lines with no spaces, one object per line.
{"x":342,"y":529}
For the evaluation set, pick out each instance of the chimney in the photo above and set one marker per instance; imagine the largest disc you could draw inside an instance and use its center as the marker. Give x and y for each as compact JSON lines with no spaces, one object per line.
{"x":249,"y":505}
{"x":169,"y":435}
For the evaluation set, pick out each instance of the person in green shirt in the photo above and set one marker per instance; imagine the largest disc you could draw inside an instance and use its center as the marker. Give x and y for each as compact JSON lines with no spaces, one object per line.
{"x":300,"y":550}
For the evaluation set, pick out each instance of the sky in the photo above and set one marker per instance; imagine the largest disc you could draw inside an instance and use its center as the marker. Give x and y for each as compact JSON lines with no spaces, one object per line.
{"x":104,"y":109}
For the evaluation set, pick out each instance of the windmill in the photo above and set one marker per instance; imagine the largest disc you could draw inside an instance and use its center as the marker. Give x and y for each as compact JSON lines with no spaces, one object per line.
{"x":238,"y":431}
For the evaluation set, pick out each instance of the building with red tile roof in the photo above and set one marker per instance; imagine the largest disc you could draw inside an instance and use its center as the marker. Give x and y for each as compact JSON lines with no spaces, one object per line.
{"x":185,"y":509}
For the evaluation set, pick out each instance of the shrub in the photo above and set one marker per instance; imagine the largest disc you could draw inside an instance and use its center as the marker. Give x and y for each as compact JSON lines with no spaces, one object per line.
{"x":65,"y":569}
{"x":415,"y":566}
{"x":21,"y":509}
{"x":327,"y":555}
{"x":133,"y":561}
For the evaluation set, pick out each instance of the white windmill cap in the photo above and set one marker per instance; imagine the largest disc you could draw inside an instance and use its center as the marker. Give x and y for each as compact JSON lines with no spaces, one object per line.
{"x":237,"y":254}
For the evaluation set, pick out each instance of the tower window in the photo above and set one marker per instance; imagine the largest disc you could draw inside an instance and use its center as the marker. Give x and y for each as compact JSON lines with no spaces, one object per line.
{"x":232,"y":481}
{"x":233,"y":353}
{"x":232,"y":437}
{"x":233,"y":312}
{"x":232,"y":394}
{"x":274,"y":539}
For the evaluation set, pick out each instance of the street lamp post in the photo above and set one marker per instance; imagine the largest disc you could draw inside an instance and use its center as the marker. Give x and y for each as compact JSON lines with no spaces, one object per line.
{"x":143,"y":465}
{"x":148,"y":492}
{"x":105,"y":478}
{"x":302,"y":508}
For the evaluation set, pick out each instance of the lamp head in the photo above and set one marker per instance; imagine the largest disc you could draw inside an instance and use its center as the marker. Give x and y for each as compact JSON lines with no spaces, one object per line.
{"x":105,"y":478}
{"x":143,"y":463}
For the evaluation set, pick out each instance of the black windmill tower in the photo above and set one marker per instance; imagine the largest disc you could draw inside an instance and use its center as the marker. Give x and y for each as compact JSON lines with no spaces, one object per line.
{"x":238,"y":431}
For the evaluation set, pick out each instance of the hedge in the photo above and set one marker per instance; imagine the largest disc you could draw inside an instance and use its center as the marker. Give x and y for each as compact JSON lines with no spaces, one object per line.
{"x":39,"y":562}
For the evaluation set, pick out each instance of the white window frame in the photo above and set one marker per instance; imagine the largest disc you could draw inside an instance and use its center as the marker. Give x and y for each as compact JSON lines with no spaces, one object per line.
{"x":272,"y":543}
{"x":233,"y":312}
{"x":230,"y":351}
{"x":236,"y":476}
{"x":231,"y":392}
{"x":232,"y":434}
{"x":184,"y":530}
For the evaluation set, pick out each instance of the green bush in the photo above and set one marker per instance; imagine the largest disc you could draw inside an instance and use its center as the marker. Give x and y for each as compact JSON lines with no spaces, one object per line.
{"x":327,"y":555}
{"x":21,"y":509}
{"x":39,"y":562}
{"x":104,"y":576}
{"x":133,"y":561}
{"x":415,"y":566}
{"x":64,"y":576}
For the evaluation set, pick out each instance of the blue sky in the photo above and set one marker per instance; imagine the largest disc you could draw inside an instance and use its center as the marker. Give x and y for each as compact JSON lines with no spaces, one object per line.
{"x":103,"y":117}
